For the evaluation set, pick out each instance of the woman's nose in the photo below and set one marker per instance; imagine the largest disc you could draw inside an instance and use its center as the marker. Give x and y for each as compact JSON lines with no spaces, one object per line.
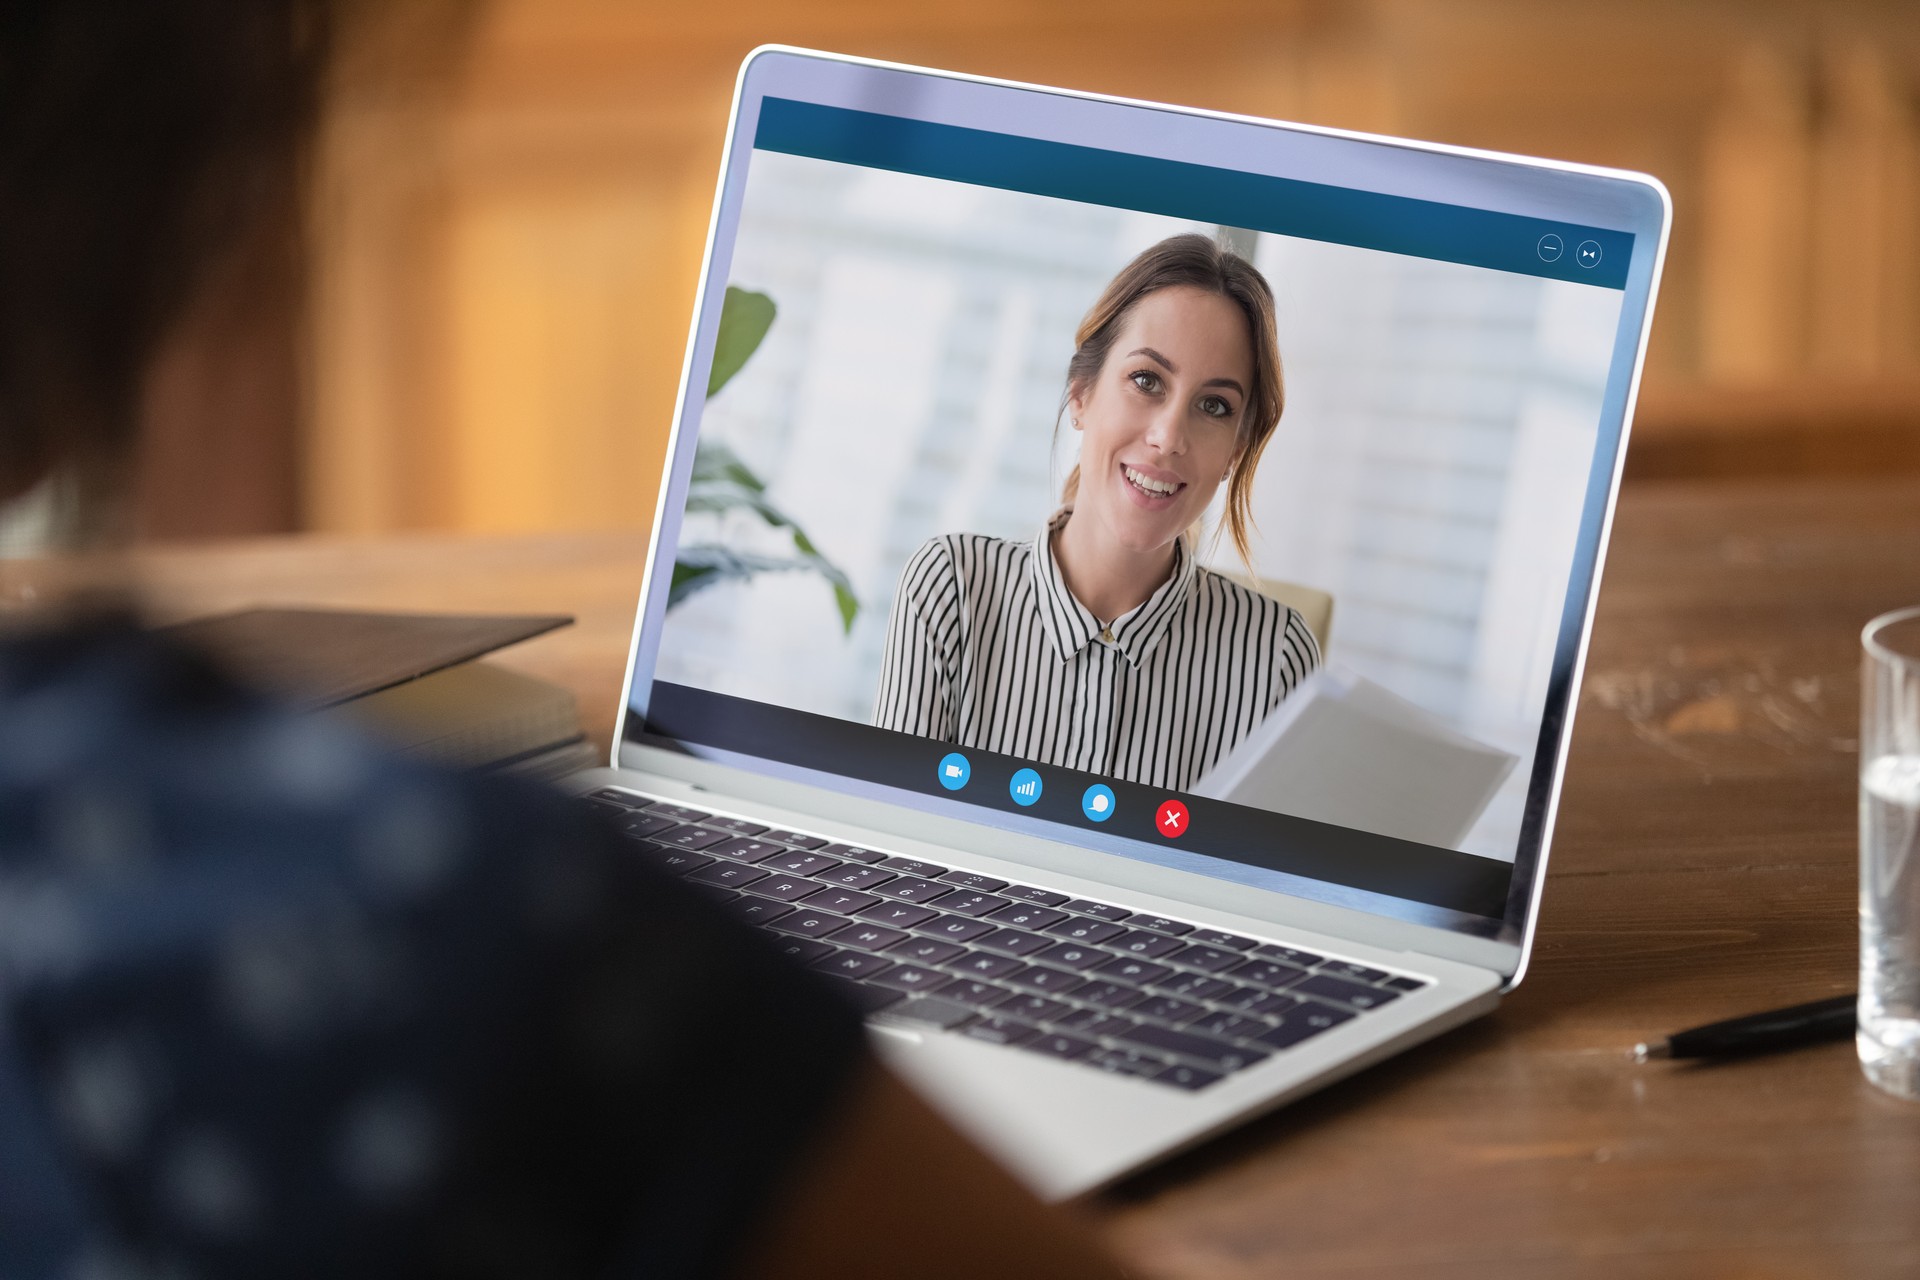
{"x":1167,"y":431}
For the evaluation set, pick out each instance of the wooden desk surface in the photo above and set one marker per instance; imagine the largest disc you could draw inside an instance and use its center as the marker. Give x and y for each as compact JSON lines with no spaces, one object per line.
{"x":1703,"y":867}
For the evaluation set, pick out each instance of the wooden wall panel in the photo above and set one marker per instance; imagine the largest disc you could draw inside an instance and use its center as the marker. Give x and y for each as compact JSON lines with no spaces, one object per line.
{"x":511,"y":218}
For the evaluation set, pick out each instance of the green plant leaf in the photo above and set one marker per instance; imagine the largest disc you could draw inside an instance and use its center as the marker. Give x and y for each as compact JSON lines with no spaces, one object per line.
{"x":721,"y":483}
{"x":745,"y":317}
{"x":708,"y":565}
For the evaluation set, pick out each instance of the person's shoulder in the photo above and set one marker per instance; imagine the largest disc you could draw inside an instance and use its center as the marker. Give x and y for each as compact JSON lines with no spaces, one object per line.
{"x":962,"y":555}
{"x":152,"y":728}
{"x":1279,"y":623}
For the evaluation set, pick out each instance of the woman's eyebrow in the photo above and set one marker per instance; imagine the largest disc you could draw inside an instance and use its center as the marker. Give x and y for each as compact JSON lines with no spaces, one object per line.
{"x":1170,"y":367}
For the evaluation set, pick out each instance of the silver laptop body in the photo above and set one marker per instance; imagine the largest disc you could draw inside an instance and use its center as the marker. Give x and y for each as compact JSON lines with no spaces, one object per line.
{"x":877,"y":182}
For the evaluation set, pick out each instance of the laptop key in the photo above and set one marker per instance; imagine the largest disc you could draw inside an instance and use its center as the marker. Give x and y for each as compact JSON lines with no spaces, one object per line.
{"x":809,"y":923}
{"x":1073,"y":956}
{"x":739,"y":826}
{"x":1220,"y":938}
{"x":689,"y":837}
{"x":1138,"y":942}
{"x":980,"y":995}
{"x":843,"y":901}
{"x":1193,"y":986}
{"x":759,"y":910}
{"x":730,"y":875}
{"x":1160,"y":924}
{"x":1355,"y":994}
{"x":800,"y":864}
{"x":1184,"y":1044}
{"x":980,"y":965}
{"x":1401,"y":983}
{"x":914,"y":867}
{"x":1027,"y":893}
{"x":1028,"y":915}
{"x":851,"y":852}
{"x":625,"y":799}
{"x":1348,"y":969}
{"x":1292,"y":955}
{"x":953,"y":928}
{"x":852,"y":875}
{"x":1082,"y":930}
{"x":1127,"y":1062}
{"x":1034,"y":1009}
{"x":638,"y":826}
{"x":1040,"y":978}
{"x":1056,"y":1045}
{"x":1271,"y":974}
{"x":1211,"y":959}
{"x":785,"y":888}
{"x":867,"y":937}
{"x":1242,"y":997}
{"x":913,"y":889}
{"x":901,"y":915}
{"x":1300,"y":1023}
{"x":911,"y":977}
{"x":1110,"y":995}
{"x":927,"y":1011}
{"x":745,"y":850}
{"x":996,"y":1030}
{"x":1013,"y":942}
{"x":973,"y":880}
{"x":1132,"y":971}
{"x":681,"y":863}
{"x":1228,"y":1025}
{"x":1169,"y":1009}
{"x":854,"y":964}
{"x":1185,"y":1077}
{"x":925,"y":950}
{"x":968,"y":903}
{"x":1095,"y":1022}
{"x":1099,"y":910}
{"x":1272,"y":1005}
{"x":805,"y":950}
{"x":680,"y":812}
{"x":794,"y":838}
{"x":866,"y":998}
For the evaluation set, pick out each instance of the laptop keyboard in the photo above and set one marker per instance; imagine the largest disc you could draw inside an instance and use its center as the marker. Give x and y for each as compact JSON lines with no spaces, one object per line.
{"x":920,"y":945}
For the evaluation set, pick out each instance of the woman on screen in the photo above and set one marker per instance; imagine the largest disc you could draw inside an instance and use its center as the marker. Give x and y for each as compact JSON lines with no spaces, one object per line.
{"x":1101,"y":645}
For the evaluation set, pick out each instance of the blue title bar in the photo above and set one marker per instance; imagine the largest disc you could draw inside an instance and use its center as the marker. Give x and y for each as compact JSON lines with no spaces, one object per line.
{"x":1201,"y":193}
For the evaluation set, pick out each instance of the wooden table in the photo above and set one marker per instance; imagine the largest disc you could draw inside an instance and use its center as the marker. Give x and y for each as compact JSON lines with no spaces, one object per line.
{"x":1703,"y":867}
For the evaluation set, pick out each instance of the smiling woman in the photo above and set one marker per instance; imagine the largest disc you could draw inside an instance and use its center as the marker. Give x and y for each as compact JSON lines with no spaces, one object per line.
{"x":1102,"y":645}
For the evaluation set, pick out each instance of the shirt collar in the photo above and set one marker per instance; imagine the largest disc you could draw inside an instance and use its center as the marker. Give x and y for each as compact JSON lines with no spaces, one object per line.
{"x":1071,"y":628}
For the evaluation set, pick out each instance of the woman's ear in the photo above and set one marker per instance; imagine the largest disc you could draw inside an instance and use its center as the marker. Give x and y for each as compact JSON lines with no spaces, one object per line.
{"x":1075,"y":405}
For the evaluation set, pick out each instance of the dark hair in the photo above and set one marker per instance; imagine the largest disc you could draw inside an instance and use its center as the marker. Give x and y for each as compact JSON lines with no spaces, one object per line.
{"x":1196,"y":262}
{"x":137,"y":141}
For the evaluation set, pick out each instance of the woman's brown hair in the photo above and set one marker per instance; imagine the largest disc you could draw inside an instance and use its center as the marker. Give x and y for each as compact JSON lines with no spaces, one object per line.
{"x":1194,"y":261}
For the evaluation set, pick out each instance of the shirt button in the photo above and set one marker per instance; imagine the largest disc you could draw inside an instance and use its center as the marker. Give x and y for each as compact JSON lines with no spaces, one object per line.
{"x":1106,"y":636}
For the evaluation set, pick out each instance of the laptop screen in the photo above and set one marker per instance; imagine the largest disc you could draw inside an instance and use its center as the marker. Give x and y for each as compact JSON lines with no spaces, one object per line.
{"x":1235,"y":521}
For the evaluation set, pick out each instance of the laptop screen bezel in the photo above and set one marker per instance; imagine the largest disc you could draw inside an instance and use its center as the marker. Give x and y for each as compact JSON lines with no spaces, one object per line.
{"x":1631,"y":203}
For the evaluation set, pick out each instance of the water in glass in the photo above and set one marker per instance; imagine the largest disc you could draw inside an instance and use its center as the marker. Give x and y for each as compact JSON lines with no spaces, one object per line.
{"x":1889,"y":1035}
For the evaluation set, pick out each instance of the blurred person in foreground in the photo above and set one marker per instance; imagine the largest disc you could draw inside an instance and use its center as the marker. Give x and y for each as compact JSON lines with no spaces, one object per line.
{"x":274,"y":1004}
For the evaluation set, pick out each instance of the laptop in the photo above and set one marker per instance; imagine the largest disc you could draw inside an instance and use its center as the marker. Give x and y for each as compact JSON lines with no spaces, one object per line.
{"x":1080,"y":958}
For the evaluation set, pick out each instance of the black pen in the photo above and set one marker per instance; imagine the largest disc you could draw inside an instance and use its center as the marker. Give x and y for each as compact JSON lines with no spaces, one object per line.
{"x":1798,"y":1024}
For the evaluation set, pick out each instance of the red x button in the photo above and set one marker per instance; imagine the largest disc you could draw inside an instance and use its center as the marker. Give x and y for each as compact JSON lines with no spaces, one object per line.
{"x":1172,"y":819}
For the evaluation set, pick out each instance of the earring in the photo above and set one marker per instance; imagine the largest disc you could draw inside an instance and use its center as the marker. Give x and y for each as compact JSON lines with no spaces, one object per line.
{"x":1075,"y":422}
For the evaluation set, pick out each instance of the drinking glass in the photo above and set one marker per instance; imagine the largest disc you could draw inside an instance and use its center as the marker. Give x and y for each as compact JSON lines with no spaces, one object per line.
{"x":1889,"y":1032}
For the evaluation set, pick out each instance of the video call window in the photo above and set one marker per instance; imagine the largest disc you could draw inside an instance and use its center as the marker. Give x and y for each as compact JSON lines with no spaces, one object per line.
{"x":899,"y":443}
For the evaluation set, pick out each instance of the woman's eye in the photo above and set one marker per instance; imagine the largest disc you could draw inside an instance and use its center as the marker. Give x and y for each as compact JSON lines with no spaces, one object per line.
{"x":1146,"y":379}
{"x":1215,"y":407}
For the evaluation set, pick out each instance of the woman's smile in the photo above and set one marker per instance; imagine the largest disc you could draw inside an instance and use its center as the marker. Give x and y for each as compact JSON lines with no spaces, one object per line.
{"x":1151,"y":487}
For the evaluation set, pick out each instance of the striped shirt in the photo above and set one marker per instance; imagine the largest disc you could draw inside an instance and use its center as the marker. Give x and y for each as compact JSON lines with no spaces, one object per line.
{"x":987,"y":648}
